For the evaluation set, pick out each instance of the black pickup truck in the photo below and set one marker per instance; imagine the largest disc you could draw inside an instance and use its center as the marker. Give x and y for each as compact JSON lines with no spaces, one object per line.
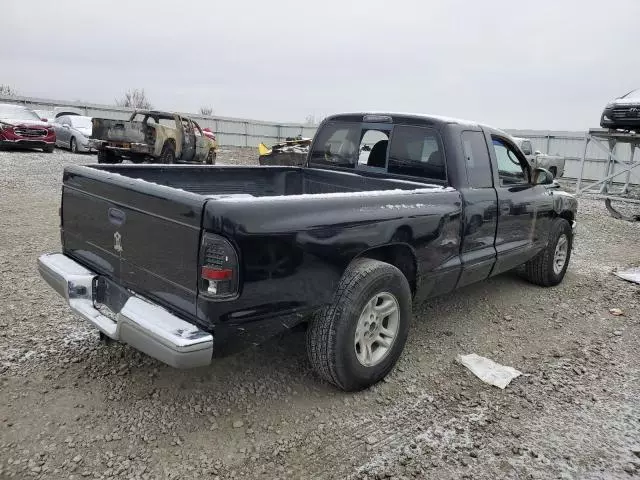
{"x":186,"y":263}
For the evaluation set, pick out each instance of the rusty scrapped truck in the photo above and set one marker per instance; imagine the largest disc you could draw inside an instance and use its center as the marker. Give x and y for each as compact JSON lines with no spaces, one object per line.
{"x":153,"y":136}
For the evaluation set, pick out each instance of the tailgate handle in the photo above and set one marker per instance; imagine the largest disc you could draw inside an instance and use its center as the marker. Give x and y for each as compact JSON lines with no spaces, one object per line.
{"x":117,"y":217}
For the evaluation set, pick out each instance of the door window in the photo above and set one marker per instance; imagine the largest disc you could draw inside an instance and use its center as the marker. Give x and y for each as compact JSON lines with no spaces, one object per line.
{"x":510,"y":169}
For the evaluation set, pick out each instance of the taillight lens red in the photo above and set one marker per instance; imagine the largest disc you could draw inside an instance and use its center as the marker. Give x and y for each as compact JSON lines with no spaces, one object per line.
{"x":215,"y":274}
{"x":218,"y":267}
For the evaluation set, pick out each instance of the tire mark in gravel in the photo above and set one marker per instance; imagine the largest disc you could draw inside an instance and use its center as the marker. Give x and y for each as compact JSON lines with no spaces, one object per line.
{"x":328,"y":464}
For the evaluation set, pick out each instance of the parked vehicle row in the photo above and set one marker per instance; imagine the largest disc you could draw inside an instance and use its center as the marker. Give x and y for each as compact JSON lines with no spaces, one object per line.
{"x":158,"y":137}
{"x":340,"y":246}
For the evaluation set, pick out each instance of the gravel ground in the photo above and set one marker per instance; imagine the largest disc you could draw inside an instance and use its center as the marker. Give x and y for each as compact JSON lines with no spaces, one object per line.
{"x":72,"y":407}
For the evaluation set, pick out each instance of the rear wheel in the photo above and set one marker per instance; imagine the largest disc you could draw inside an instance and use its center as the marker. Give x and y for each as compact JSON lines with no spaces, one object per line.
{"x":554,"y":171}
{"x":168,"y":154}
{"x":550,"y":265}
{"x":211,"y":157}
{"x":73,"y":146}
{"x":107,"y":156}
{"x":355,"y":341}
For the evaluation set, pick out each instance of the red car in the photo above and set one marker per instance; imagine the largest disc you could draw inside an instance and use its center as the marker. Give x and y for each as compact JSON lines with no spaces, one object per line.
{"x":208,"y":133}
{"x":21,"y":127}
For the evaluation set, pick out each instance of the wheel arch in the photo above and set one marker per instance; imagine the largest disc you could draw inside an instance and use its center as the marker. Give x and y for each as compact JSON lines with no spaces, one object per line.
{"x":399,"y":254}
{"x":169,"y":141}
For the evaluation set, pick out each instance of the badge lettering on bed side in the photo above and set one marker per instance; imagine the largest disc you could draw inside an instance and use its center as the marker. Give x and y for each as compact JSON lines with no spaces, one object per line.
{"x":117,"y":242}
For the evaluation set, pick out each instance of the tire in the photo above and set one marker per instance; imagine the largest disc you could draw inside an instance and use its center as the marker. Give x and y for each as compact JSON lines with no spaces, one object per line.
{"x":211,"y":157}
{"x":73,"y":145}
{"x":106,"y":156}
{"x":48,"y":149}
{"x":554,"y":171}
{"x":332,"y":345}
{"x":168,"y":154}
{"x":540,"y":270}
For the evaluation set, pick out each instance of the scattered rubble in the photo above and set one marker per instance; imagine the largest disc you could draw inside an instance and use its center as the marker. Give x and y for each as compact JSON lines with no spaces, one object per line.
{"x":293,"y":151}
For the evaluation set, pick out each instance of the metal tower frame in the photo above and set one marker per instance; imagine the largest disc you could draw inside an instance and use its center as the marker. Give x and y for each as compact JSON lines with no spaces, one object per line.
{"x":598,"y":137}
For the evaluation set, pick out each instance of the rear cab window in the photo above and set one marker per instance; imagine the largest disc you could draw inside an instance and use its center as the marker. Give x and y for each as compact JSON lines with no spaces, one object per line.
{"x":405,"y":150}
{"x":477,"y":160}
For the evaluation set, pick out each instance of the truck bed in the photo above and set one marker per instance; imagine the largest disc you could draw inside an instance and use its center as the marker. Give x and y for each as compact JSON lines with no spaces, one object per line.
{"x":257,"y":181}
{"x":140,"y":227}
{"x":120,"y":131}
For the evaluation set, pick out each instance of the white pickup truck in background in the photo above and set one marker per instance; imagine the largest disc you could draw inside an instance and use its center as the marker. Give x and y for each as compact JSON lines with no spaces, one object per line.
{"x":537,"y":159}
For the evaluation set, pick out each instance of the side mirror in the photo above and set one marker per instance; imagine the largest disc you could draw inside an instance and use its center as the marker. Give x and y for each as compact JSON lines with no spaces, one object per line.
{"x":542,"y":176}
{"x":44,"y":119}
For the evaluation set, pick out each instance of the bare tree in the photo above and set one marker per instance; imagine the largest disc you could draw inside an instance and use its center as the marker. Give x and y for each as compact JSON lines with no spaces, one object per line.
{"x":134,"y":99}
{"x":206,"y":111}
{"x":310,"y":120}
{"x":7,"y":90}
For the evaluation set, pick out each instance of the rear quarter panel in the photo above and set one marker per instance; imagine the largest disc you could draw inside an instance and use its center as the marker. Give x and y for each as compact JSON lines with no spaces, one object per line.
{"x":164,"y":133}
{"x":293,"y":250}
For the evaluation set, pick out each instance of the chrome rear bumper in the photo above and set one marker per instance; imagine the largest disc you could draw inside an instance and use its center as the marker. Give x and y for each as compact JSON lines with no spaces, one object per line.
{"x":140,"y":323}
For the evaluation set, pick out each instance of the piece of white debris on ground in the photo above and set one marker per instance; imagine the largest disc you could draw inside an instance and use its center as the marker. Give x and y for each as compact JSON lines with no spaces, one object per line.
{"x":630,"y":274}
{"x":489,"y":371}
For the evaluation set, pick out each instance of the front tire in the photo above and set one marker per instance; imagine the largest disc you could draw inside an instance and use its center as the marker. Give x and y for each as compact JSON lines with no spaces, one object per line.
{"x":48,"y":149}
{"x":355,"y":341}
{"x":73,"y":145}
{"x":548,"y":268}
{"x":554,"y":171}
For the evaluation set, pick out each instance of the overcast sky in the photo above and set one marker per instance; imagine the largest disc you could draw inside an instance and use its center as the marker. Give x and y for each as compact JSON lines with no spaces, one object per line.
{"x":550,"y":65}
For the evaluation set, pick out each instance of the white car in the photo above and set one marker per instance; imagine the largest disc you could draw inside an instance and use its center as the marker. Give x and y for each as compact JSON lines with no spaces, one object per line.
{"x":73,"y":132}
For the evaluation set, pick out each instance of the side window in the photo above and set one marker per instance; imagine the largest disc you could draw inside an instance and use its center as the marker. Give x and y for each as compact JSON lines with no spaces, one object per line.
{"x":510,"y":170}
{"x":477,"y":159}
{"x":526,"y":147}
{"x":416,"y":151}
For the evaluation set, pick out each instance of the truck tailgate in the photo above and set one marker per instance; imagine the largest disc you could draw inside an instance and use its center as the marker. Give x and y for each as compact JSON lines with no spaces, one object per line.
{"x":144,"y":237}
{"x":118,"y":130}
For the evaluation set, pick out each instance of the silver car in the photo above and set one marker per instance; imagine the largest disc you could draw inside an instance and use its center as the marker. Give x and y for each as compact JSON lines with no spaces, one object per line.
{"x":73,"y":132}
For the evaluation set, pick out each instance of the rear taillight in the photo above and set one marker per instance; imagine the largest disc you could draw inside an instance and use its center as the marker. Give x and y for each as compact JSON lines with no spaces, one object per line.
{"x":218,"y":267}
